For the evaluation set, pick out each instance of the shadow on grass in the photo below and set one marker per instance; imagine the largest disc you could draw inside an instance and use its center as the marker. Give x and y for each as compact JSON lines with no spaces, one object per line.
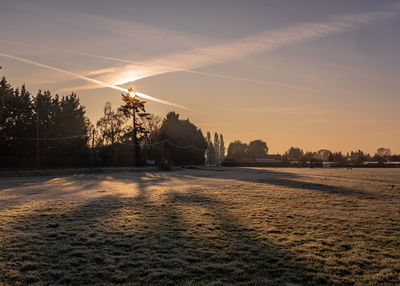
{"x":282,"y":179}
{"x":184,"y":238}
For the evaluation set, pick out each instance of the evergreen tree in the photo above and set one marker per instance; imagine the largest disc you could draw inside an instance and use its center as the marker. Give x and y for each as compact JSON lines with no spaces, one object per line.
{"x":134,"y":108}
{"x":185,"y":134}
{"x":15,"y":124}
{"x":23,"y":118}
{"x":217,"y":149}
{"x":210,"y":150}
{"x":64,"y":119}
{"x":221,"y":147}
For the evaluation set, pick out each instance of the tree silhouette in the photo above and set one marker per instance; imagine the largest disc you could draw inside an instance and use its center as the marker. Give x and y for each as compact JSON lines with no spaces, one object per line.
{"x":31,"y":125}
{"x":257,"y":149}
{"x":134,"y":107}
{"x":111,"y":125}
{"x":217,"y":156}
{"x":210,"y":152}
{"x":237,"y":151}
{"x":189,"y":144}
{"x":221,"y":147}
{"x":382,"y":154}
{"x":294,"y":154}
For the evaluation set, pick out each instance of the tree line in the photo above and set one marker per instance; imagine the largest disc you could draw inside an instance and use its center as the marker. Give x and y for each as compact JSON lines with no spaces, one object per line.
{"x":47,"y":130}
{"x":355,"y":157}
{"x":215,"y":152}
{"x":240,"y":152}
{"x":30,"y":123}
{"x":258,"y":149}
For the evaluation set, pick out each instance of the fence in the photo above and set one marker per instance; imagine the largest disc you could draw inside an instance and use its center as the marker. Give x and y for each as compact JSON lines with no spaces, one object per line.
{"x":77,"y":150}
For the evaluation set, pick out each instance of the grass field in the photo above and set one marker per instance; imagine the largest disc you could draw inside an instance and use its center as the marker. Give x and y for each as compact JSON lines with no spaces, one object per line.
{"x":195,"y":227}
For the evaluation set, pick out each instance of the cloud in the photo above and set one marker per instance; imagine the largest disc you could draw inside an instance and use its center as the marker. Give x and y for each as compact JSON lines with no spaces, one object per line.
{"x":233,"y":50}
{"x":91,"y":80}
{"x":361,"y":122}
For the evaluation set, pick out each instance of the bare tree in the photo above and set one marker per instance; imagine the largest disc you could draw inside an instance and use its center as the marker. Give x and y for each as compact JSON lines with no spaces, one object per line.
{"x":382,"y":154}
{"x":111,"y":125}
{"x":151,"y":125}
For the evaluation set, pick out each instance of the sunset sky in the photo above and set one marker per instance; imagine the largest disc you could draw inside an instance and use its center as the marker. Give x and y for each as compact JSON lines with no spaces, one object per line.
{"x":314,"y":74}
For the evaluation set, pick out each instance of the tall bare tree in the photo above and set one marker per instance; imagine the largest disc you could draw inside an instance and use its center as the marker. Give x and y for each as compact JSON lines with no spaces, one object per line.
{"x":111,"y":125}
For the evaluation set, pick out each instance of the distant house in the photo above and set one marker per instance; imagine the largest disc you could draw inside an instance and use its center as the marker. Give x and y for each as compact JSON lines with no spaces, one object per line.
{"x":277,"y":157}
{"x":393,"y":164}
{"x":372,"y":164}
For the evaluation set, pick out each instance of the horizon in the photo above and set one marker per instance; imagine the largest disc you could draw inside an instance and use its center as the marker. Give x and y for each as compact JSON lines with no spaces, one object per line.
{"x":234,"y":71}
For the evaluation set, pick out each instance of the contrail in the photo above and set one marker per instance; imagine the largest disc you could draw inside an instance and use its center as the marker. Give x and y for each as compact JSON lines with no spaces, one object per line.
{"x":115,"y":59}
{"x":233,"y":50}
{"x":248,"y":79}
{"x":66,"y":51}
{"x":95,"y":81}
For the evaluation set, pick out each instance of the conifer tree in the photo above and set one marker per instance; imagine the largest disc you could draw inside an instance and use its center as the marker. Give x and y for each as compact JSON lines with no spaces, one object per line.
{"x":221,"y":147}
{"x":217,"y":150}
{"x":210,"y":150}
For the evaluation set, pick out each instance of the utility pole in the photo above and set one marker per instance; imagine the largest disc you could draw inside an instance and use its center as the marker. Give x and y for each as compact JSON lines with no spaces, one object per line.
{"x":37,"y":139}
{"x":92,"y":150}
{"x":2,"y":99}
{"x":134,"y":139}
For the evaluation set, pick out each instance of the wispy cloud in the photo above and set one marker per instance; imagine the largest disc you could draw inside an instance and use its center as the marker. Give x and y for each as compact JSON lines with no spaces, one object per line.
{"x":260,"y":43}
{"x":290,"y":110}
{"x":358,"y":122}
{"x":91,"y":80}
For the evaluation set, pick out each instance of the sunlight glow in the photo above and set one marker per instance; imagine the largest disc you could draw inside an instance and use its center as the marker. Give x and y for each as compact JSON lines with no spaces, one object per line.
{"x":95,"y":81}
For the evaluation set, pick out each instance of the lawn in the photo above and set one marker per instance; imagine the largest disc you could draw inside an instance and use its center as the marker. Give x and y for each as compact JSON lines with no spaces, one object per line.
{"x":202,"y":226}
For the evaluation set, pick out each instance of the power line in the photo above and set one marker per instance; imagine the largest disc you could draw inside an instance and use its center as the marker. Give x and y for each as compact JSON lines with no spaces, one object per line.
{"x":43,"y":138}
{"x":170,"y":143}
{"x":192,"y":146}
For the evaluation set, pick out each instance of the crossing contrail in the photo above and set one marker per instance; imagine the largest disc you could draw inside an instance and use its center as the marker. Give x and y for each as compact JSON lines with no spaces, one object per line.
{"x":95,"y":81}
{"x":188,"y":61}
{"x":116,"y":59}
{"x":262,"y":42}
{"x":29,"y":45}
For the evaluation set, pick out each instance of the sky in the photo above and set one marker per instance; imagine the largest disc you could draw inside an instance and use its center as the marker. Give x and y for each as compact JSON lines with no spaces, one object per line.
{"x":313,"y":73}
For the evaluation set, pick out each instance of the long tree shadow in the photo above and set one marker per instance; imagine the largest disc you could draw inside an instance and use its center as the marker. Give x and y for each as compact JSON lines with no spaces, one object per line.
{"x":283,"y":179}
{"x":40,"y":189}
{"x":182,"y":238}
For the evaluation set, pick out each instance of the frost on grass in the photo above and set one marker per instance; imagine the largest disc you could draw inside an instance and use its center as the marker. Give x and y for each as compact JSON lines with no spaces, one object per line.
{"x":231,"y":226}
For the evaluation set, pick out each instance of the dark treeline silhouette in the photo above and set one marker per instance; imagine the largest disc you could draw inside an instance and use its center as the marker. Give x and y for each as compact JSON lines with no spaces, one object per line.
{"x":257,"y":151}
{"x":46,"y":130}
{"x":238,"y":151}
{"x":30,"y":124}
{"x":358,"y":157}
{"x":215,"y":152}
{"x":182,"y":133}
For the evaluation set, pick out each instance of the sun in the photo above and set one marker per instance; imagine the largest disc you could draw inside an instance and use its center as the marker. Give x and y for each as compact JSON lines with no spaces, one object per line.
{"x":131,"y":92}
